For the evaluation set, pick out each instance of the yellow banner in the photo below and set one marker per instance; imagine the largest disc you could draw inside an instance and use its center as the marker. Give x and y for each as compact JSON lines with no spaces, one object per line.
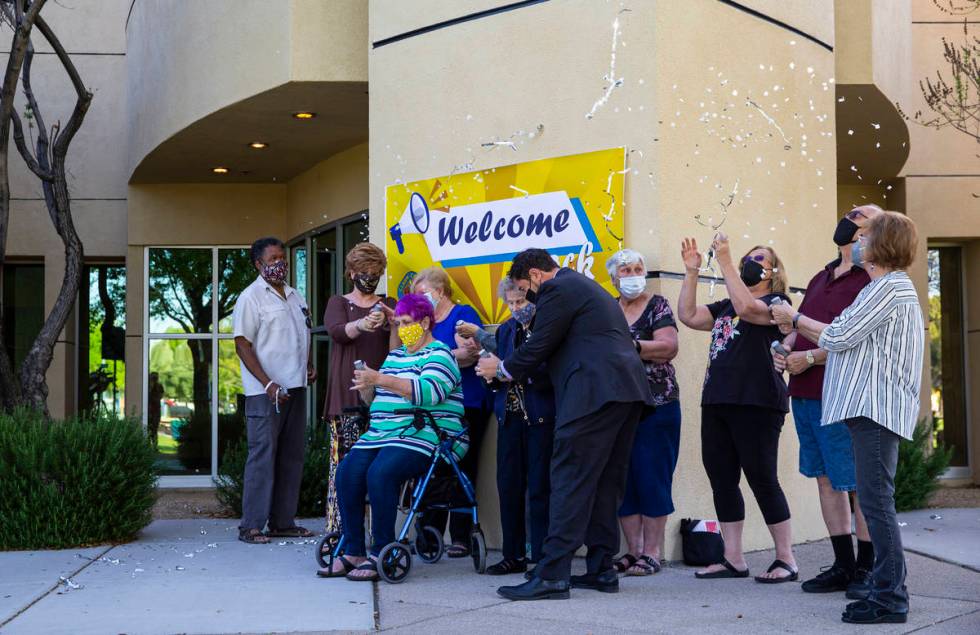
{"x":472,"y":224}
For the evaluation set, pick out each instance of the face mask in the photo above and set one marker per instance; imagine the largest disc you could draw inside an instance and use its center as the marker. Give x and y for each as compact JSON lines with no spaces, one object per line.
{"x":844,"y":234}
{"x":431,"y":298}
{"x":276,"y":272}
{"x":366,"y":283}
{"x":524,"y":314}
{"x":411,"y":334}
{"x":632,"y":286}
{"x":752,"y":273}
{"x":857,"y":253}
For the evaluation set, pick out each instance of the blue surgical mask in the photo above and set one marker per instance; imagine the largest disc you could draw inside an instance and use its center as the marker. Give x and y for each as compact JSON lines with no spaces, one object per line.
{"x":432,"y":299}
{"x":525,"y":314}
{"x":857,"y":253}
{"x":632,"y":286}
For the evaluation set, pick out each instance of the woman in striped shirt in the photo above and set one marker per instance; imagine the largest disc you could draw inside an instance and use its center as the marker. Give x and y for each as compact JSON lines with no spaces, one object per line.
{"x":420,"y":374}
{"x":872,"y":381}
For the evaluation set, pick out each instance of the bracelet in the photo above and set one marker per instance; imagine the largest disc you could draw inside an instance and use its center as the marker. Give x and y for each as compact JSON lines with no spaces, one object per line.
{"x":499,"y":373}
{"x":271,"y":381}
{"x":796,"y":319}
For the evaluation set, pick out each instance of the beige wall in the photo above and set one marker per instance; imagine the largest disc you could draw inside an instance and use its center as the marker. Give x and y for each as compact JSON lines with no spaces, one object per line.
{"x":329,"y":191}
{"x":537,"y":73}
{"x":851,"y":196}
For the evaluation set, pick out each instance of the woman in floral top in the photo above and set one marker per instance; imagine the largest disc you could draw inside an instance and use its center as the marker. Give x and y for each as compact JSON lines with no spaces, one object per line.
{"x":647,"y":501}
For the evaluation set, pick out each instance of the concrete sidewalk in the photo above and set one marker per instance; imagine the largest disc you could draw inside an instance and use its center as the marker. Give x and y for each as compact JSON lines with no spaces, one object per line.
{"x":195,"y":577}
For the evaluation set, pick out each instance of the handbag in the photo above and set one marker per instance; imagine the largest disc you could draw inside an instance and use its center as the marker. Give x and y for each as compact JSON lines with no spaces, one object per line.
{"x":701,"y":542}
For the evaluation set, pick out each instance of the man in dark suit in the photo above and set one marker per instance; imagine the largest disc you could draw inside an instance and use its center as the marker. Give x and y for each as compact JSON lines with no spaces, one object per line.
{"x":601,"y":391}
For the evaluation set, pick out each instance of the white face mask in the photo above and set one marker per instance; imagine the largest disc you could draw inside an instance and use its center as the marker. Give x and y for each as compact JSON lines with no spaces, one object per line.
{"x":632,"y":286}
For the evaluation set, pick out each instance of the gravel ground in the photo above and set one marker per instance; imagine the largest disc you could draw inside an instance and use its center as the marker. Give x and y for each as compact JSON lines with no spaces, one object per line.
{"x":959,"y":497}
{"x":187,"y":503}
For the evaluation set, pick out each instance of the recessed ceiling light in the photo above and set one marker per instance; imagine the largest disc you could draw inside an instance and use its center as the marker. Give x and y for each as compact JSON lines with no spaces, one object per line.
{"x":304,"y":115}
{"x":220,"y":170}
{"x":258,"y":145}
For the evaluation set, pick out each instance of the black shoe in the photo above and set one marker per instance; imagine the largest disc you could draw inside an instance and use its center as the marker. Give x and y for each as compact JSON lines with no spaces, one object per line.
{"x":606,"y":582}
{"x":860,"y":586}
{"x":508,"y":566}
{"x":536,"y":589}
{"x":829,"y":580}
{"x":865,"y":612}
{"x":530,"y":573}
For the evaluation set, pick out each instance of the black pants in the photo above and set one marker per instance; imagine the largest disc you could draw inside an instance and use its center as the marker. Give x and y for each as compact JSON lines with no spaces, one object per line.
{"x":523,"y":473}
{"x":589,"y":463}
{"x":460,"y":525}
{"x":736,"y":439}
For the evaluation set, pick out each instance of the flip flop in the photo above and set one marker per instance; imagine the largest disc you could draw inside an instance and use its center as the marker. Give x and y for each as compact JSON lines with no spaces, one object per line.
{"x":290,"y":532}
{"x":327,"y":573}
{"x":253,"y":537}
{"x":779,"y":564}
{"x":624,"y":562}
{"x":728,"y":572}
{"x":367,"y":565}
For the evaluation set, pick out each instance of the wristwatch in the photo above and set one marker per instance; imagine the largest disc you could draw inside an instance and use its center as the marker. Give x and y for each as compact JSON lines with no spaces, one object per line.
{"x":809,"y":358}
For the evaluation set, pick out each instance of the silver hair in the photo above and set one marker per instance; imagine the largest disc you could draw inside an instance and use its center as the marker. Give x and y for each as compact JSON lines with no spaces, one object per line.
{"x":507,"y":285}
{"x":623,"y":257}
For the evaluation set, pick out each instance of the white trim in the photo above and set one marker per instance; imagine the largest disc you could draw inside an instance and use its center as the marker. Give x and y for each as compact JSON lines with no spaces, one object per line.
{"x":215,"y":397}
{"x":956,"y":472}
{"x":175,"y":481}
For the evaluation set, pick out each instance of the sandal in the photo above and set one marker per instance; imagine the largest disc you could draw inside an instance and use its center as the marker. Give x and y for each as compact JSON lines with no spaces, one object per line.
{"x":253,"y":536}
{"x":368,"y":565}
{"x":290,"y":532}
{"x":728,"y":572}
{"x":457,"y":550}
{"x":508,"y":566}
{"x":779,"y":564}
{"x":329,"y":573}
{"x":644,"y":565}
{"x":624,"y":562}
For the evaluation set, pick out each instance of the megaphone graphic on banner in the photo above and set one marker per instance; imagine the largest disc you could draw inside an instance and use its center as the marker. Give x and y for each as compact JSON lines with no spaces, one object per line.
{"x":414,"y":220}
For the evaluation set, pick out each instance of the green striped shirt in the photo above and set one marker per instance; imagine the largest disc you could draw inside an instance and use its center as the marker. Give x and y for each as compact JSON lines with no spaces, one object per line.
{"x":436,"y":387}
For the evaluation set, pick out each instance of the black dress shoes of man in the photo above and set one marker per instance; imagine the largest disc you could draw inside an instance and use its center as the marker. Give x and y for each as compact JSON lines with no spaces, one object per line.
{"x":536,"y":589}
{"x":606,"y":582}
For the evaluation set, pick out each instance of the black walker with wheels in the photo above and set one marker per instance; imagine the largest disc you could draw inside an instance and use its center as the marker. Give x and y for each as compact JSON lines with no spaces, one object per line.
{"x":444,"y":487}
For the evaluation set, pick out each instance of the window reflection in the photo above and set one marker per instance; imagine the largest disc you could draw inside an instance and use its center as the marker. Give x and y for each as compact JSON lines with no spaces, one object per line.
{"x":231,"y":398}
{"x":180,"y":282}
{"x":102,"y":340}
{"x":235,"y":272}
{"x":179,"y":405}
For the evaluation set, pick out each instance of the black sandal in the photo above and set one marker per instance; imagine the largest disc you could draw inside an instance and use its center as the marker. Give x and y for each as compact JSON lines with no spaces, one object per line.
{"x":290,"y":532}
{"x":457,"y":550}
{"x":253,"y":536}
{"x":779,"y":564}
{"x":368,"y":565}
{"x":728,"y":572}
{"x":646,"y":565}
{"x":508,"y":566}
{"x":327,"y":573}
{"x":624,"y":562}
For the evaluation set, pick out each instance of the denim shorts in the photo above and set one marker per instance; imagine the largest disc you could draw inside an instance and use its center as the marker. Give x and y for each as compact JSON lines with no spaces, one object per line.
{"x":824,"y":450}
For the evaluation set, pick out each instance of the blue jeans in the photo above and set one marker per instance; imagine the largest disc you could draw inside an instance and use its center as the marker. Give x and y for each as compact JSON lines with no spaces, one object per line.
{"x":876,"y":459}
{"x":378,"y":474}
{"x":824,"y":450}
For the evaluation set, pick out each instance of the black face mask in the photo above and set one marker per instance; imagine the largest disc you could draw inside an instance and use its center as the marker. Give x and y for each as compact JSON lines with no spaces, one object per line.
{"x":752,"y":273}
{"x":844,"y":234}
{"x":531,"y":296}
{"x":366,"y":283}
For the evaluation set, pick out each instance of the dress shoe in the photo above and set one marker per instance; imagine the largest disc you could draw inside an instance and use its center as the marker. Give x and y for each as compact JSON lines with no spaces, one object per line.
{"x":536,"y":589}
{"x":606,"y":582}
{"x":860,"y":587}
{"x":530,"y":573}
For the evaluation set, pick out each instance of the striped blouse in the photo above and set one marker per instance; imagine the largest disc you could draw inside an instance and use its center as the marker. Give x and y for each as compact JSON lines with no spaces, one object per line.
{"x":436,"y":387}
{"x":874,"y":361}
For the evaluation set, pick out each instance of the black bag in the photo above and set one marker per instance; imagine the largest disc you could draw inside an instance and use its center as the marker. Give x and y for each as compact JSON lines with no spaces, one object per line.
{"x":701,"y":542}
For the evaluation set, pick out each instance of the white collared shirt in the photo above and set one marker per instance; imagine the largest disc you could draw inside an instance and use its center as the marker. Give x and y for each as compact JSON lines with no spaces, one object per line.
{"x":279,"y":331}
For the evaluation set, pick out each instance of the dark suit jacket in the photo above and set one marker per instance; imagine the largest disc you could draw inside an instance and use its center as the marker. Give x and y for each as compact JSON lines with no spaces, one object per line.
{"x":581,"y":332}
{"x":539,"y":397}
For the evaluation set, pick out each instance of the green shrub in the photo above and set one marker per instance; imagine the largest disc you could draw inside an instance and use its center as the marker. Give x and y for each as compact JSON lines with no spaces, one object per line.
{"x":71,"y":483}
{"x":919,"y":468}
{"x":313,"y":491}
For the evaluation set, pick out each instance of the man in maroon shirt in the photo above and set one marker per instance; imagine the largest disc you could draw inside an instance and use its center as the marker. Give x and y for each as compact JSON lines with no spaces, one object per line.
{"x":825,"y":451}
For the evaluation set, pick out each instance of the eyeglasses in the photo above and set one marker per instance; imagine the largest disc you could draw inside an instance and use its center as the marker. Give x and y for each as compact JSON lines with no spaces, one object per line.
{"x":757,"y":258}
{"x":855,"y":213}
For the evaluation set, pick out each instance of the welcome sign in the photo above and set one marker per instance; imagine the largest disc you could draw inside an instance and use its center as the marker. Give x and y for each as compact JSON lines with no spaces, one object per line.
{"x":472,"y":224}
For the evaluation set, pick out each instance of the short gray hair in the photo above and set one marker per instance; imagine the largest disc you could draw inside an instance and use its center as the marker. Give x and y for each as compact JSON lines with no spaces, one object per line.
{"x":507,"y":285}
{"x":623,"y":257}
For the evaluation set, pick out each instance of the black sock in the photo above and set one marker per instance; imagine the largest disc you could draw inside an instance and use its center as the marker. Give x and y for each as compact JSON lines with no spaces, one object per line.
{"x":866,"y":555}
{"x":843,"y":551}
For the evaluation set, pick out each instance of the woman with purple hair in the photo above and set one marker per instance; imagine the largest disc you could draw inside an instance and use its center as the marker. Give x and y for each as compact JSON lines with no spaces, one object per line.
{"x":422,"y":373}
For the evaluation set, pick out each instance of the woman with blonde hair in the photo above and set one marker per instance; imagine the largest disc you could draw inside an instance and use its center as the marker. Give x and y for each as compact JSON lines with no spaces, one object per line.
{"x":873,"y":376}
{"x":743,"y":401}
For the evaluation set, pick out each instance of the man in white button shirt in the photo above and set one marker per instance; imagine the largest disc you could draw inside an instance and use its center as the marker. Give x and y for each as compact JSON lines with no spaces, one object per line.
{"x":272,"y":337}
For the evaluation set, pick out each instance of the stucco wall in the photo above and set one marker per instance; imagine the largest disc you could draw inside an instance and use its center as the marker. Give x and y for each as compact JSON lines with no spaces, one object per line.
{"x":681,"y":63}
{"x":330,"y":190}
